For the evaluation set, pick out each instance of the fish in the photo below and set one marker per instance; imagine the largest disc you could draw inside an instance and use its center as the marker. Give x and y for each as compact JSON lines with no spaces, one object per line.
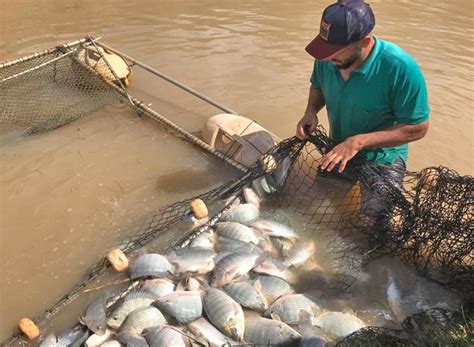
{"x":111,"y":343}
{"x":192,"y":260}
{"x":158,"y":287}
{"x":184,"y":306}
{"x":201,"y":328}
{"x":275,"y":229}
{"x":268,"y":332}
{"x":188,"y":284}
{"x":288,"y":308}
{"x":311,"y":335}
{"x":165,"y":337}
{"x":95,"y":317}
{"x":251,"y":196}
{"x":65,"y":339}
{"x":243,"y":214}
{"x":206,"y":239}
{"x":141,"y":319}
{"x":337,"y":325}
{"x":134,"y":300}
{"x":96,"y":340}
{"x":236,"y":231}
{"x":283,"y":246}
{"x":247,"y":294}
{"x":131,"y":340}
{"x":225,"y":313}
{"x":233,"y":266}
{"x":231,"y":245}
{"x":299,"y":254}
{"x":150,"y":265}
{"x":274,"y":287}
{"x":274,"y":267}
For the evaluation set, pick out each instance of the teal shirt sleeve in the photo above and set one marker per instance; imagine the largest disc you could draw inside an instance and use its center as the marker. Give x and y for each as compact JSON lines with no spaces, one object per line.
{"x":410,"y":97}
{"x":316,"y":76}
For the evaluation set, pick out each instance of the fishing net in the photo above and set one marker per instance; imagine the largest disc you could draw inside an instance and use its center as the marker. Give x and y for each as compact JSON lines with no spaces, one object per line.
{"x":370,"y":210}
{"x":47,"y":90}
{"x":433,"y":327}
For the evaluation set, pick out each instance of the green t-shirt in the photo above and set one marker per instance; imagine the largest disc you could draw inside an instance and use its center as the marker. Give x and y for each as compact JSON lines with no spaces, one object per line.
{"x":387,"y":89}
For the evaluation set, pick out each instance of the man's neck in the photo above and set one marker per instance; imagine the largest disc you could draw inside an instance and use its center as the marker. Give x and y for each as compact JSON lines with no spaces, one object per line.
{"x":364,"y":56}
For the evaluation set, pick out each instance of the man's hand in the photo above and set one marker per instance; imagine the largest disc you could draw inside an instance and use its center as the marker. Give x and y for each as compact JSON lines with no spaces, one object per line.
{"x":341,"y":153}
{"x":307,"y":124}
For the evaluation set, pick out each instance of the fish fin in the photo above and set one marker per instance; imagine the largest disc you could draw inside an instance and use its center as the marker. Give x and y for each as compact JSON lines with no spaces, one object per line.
{"x":275,"y":316}
{"x":82,"y":320}
{"x":257,"y":285}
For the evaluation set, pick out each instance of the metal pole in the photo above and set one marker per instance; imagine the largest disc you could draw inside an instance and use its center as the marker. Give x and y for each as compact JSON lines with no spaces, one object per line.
{"x":169,"y":79}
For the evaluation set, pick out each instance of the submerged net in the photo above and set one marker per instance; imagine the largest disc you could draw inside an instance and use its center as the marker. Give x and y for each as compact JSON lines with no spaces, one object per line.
{"x":425,"y":219}
{"x":48,"y":90}
{"x":433,"y":327}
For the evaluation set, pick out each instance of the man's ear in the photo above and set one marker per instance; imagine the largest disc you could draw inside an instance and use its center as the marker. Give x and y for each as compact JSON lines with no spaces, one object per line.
{"x":366,"y":40}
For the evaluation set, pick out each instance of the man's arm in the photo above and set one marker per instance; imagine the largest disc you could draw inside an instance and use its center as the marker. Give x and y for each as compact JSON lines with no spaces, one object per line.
{"x":316,"y":102}
{"x":396,"y":135}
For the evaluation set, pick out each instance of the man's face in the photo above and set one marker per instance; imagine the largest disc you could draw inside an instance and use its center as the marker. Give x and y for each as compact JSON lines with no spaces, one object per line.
{"x":348,"y":56}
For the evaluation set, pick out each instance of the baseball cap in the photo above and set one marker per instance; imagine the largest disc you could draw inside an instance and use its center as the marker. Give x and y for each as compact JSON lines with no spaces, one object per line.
{"x":342,"y":23}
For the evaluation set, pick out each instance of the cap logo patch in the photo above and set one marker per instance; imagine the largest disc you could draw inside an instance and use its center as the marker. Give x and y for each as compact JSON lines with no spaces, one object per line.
{"x":324,"y":30}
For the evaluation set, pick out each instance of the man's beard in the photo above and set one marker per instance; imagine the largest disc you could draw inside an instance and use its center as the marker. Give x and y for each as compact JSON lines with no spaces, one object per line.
{"x":350,"y":61}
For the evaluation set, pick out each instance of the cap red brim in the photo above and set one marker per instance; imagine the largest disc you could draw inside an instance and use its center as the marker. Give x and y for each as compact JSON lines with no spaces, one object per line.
{"x":321,"y":50}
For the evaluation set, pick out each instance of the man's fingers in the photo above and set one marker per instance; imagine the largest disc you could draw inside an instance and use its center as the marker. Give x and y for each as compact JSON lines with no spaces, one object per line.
{"x":327,"y":159}
{"x":333,"y":163}
{"x":343,"y":165}
{"x":300,"y":132}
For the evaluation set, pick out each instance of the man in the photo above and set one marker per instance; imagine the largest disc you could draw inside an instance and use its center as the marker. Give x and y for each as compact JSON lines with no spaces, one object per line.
{"x":374,"y":92}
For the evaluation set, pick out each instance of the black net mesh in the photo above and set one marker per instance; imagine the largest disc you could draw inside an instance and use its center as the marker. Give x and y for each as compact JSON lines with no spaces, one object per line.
{"x":370,"y":210}
{"x":434,"y":327}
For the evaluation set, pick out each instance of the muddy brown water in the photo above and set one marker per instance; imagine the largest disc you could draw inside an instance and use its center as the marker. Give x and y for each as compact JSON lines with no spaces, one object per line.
{"x":67,"y":194}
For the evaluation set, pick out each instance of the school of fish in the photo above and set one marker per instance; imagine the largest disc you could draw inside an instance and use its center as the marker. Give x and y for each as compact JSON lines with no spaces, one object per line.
{"x":230,"y":286}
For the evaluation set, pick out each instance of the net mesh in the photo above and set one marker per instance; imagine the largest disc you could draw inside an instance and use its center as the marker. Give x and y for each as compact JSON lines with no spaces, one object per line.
{"x":52,"y":89}
{"x":423,"y":217}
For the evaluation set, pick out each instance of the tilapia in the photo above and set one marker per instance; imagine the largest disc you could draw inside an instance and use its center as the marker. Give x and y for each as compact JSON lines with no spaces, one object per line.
{"x":131,"y":340}
{"x":236,"y":231}
{"x":225,"y":313}
{"x":299,"y":254}
{"x":134,"y":300}
{"x":165,"y":337}
{"x":63,"y":340}
{"x":265,"y":332}
{"x":188,"y":284}
{"x":231,"y":245}
{"x":192,"y":260}
{"x":158,"y":287}
{"x":275,"y":229}
{"x":251,"y":196}
{"x":95,"y":318}
{"x":96,"y":340}
{"x":311,"y":336}
{"x":337,"y":325}
{"x":247,"y":294}
{"x":111,"y":343}
{"x":184,"y":306}
{"x":206,"y":239}
{"x":233,"y":266}
{"x":150,"y":265}
{"x":274,"y":267}
{"x":274,"y":287}
{"x":289,"y":307}
{"x":243,"y":214}
{"x":201,"y":328}
{"x":141,"y":319}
